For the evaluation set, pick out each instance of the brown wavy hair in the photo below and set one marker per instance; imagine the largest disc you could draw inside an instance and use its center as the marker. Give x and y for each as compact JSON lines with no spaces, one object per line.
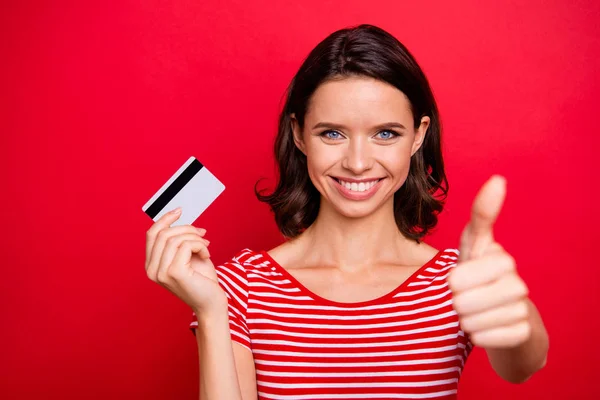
{"x":369,"y":51}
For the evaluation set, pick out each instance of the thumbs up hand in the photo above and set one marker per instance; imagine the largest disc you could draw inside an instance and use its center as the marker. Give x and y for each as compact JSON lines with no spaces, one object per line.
{"x":488,"y":295}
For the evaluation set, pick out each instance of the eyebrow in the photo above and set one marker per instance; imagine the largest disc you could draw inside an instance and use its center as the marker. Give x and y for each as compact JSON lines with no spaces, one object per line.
{"x":342,"y":127}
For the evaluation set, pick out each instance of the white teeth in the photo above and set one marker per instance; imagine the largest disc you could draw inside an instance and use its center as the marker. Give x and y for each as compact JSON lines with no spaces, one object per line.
{"x":358,"y":187}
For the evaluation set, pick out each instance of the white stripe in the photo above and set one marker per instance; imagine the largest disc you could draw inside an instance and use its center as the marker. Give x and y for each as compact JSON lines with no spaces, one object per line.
{"x":419,"y":291}
{"x":358,"y":396}
{"x":333,"y":308}
{"x":284,"y":281}
{"x":242,"y":328}
{"x":352,"y":327}
{"x":359,"y":355}
{"x":349,"y":307}
{"x":439,"y":278}
{"x":236,"y":269}
{"x":268,"y":285}
{"x":244,"y":338}
{"x":358,"y":384}
{"x":356,"y":345}
{"x":353,"y":335}
{"x":355,"y":365}
{"x":351,"y":317}
{"x":257,"y":256}
{"x":230,"y":300}
{"x":232,"y":292}
{"x":356,"y":374}
{"x":267,"y":273}
{"x":235,"y":313}
{"x":242,"y":254}
{"x":281,"y":296}
{"x":437,"y":271}
{"x":242,"y":281}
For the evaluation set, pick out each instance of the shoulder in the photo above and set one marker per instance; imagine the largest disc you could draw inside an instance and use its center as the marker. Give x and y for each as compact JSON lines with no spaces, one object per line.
{"x":246,"y":271}
{"x":449,"y":253}
{"x":425,"y":255}
{"x":437,"y":270}
{"x":233,"y":275}
{"x":243,"y":262}
{"x":444,"y":260}
{"x":447,"y":256}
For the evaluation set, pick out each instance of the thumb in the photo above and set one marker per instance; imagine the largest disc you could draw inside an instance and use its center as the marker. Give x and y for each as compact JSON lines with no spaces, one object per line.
{"x":479,"y":232}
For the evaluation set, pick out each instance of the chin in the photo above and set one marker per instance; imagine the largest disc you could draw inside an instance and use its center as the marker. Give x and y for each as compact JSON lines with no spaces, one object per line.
{"x":354,"y":211}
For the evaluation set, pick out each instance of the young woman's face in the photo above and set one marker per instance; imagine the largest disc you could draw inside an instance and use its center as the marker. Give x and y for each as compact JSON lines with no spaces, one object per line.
{"x":358,"y":138}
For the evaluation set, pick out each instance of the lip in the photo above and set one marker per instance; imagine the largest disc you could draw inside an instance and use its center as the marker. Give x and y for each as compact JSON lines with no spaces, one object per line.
{"x":352,"y":180}
{"x":357,"y":196}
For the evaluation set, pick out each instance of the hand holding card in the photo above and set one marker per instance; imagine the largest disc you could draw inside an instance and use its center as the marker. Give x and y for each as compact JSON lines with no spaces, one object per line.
{"x":177,"y":255}
{"x":177,"y":258}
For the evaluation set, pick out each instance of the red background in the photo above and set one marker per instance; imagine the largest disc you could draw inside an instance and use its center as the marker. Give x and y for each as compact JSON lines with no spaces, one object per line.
{"x":103,"y":101}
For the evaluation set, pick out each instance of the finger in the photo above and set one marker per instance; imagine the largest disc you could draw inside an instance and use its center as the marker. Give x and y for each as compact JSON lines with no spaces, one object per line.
{"x":182,"y":258}
{"x":169,"y":232}
{"x":496,"y":317}
{"x":171,"y":247}
{"x":484,"y":212}
{"x":163,"y":222}
{"x":481,"y":271}
{"x":503,"y":337}
{"x":487,"y":205}
{"x":160,"y":242}
{"x":507,"y":289}
{"x":464,"y":253}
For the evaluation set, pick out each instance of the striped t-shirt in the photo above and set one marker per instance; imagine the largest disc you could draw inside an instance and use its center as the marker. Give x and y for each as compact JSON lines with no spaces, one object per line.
{"x":406,"y":344}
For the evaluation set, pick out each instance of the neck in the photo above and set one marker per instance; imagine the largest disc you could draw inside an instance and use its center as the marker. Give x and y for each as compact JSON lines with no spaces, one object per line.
{"x":354,"y":243}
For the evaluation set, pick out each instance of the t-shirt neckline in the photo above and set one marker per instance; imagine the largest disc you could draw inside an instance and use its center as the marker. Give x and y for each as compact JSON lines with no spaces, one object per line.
{"x":381,"y":299}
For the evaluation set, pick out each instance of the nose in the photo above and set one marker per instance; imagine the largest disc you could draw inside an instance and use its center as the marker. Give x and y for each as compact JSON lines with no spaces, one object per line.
{"x":358,"y":157}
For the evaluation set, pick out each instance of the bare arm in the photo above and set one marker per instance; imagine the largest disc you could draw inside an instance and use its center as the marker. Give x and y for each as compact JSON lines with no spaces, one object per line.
{"x":518,"y":364}
{"x":246,"y":372}
{"x":178,"y":259}
{"x":227,"y":369}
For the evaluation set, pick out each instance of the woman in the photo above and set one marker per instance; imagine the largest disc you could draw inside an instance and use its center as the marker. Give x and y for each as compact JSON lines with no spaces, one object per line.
{"x":354,"y":305}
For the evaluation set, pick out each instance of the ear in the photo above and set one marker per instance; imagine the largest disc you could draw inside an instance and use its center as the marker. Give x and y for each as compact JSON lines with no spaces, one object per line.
{"x":297,"y":132}
{"x":420,"y":134}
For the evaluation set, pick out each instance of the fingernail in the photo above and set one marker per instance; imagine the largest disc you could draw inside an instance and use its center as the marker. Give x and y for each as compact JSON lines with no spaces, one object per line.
{"x":201,"y":231}
{"x":176,"y":211}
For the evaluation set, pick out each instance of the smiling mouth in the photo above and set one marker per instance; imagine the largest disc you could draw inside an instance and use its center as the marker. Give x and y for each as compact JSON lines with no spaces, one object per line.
{"x":357,"y":186}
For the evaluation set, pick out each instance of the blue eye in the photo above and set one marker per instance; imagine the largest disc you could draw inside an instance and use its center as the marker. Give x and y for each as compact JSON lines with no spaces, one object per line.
{"x":386,"y":135}
{"x":331,"y":135}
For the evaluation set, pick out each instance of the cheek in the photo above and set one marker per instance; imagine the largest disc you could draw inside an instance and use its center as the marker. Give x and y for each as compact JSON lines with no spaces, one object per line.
{"x":397,"y":163}
{"x":318,"y":163}
{"x":397,"y":159}
{"x":320,"y":157}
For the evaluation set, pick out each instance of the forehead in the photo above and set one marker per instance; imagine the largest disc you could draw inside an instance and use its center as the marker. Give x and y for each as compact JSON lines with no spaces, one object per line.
{"x":359,"y":100}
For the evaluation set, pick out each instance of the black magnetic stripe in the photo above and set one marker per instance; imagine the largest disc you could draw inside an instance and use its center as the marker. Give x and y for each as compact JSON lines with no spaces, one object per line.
{"x":175,"y":187}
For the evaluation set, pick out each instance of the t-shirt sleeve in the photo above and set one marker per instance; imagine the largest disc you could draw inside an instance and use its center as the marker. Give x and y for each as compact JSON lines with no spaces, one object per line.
{"x":233,"y":280}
